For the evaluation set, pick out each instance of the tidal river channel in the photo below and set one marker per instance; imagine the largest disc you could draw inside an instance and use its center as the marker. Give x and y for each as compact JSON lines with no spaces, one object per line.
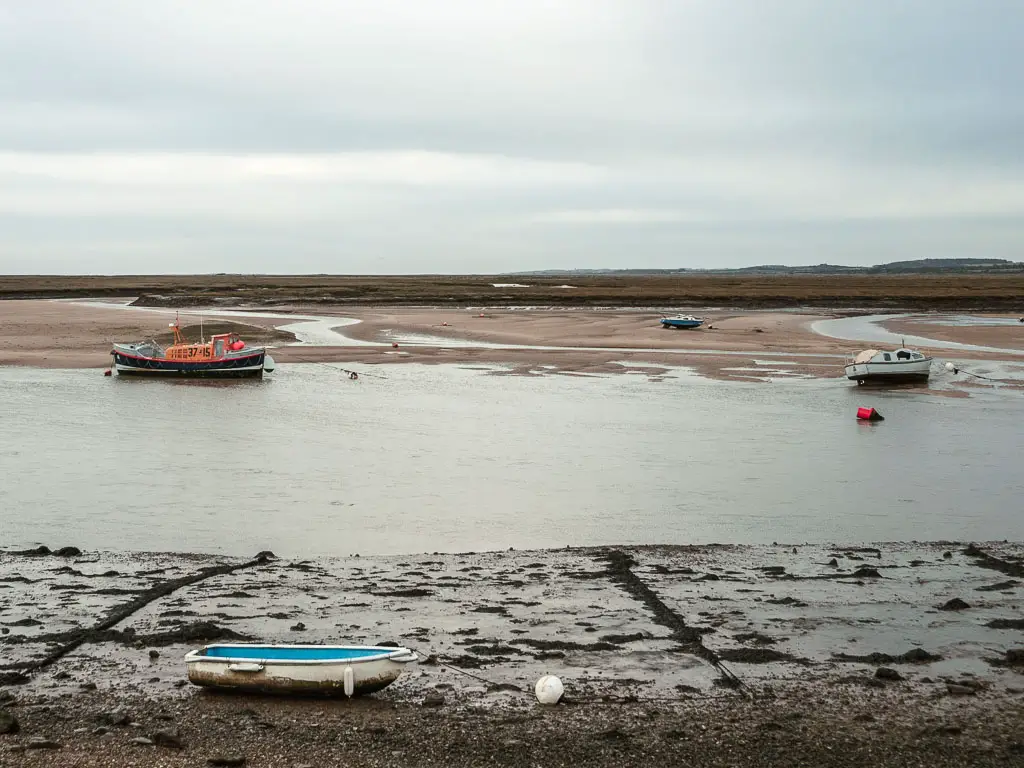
{"x":412,"y":459}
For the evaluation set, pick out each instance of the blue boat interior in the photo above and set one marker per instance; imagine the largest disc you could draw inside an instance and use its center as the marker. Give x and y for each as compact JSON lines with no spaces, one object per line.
{"x":278,"y":653}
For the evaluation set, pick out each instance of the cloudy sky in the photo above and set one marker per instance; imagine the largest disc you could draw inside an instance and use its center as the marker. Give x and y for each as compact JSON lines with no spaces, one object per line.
{"x":389,"y":136}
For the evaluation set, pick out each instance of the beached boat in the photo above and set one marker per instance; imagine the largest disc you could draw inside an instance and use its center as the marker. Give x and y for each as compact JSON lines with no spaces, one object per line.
{"x":900,"y":365}
{"x":224,"y":356}
{"x":682,"y":321}
{"x":349,"y":670}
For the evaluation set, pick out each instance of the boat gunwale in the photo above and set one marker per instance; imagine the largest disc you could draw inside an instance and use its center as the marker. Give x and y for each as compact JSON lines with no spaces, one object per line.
{"x":918,"y":361}
{"x":385,"y":653}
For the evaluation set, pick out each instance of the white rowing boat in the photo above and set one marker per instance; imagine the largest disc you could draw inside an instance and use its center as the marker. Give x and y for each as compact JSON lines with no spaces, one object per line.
{"x":351,"y":670}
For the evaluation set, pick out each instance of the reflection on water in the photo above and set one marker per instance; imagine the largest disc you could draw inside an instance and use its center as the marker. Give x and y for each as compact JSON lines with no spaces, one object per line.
{"x":436,"y":458}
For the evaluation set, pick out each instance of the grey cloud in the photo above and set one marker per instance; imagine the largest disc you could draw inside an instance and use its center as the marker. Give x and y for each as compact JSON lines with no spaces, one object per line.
{"x":719,"y":133}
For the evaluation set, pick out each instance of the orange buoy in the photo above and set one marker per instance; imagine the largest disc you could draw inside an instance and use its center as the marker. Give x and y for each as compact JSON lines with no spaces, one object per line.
{"x":869,"y":414}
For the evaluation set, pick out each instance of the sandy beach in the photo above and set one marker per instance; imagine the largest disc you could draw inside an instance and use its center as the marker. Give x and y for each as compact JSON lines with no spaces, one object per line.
{"x":785,"y":655}
{"x":64,"y":334}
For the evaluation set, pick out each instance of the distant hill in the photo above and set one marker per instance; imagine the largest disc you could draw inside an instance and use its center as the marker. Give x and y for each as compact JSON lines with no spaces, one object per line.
{"x":974,"y":266}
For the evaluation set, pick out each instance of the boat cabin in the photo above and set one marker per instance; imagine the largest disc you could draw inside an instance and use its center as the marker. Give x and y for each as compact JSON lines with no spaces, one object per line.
{"x":899,"y":356}
{"x":214,"y":349}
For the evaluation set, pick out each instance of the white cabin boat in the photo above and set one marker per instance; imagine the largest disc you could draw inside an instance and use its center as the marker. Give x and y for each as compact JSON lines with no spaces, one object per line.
{"x":899,"y":365}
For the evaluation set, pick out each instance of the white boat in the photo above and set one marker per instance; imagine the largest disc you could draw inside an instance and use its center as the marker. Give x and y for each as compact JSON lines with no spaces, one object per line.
{"x":351,"y":670}
{"x":682,"y":321}
{"x":899,"y":365}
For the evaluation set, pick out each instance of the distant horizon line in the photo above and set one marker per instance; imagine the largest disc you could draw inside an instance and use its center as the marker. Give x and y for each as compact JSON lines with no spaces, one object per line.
{"x":938,"y":264}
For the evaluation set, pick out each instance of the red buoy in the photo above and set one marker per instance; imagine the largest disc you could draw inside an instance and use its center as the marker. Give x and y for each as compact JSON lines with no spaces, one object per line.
{"x":869,"y":414}
{"x":106,"y":372}
{"x":394,"y":344}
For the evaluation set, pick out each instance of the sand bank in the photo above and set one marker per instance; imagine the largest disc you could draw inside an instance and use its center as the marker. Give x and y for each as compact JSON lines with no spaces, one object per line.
{"x":743,"y":346}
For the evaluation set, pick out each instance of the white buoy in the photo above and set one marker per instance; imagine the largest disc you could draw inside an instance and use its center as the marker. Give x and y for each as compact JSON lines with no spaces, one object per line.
{"x":950,"y":367}
{"x":549,"y":690}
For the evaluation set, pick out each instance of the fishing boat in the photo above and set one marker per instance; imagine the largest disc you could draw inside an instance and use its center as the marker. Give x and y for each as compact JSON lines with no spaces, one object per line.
{"x":223,"y":356}
{"x":333,"y":670}
{"x":682,"y":321}
{"x":899,"y":365}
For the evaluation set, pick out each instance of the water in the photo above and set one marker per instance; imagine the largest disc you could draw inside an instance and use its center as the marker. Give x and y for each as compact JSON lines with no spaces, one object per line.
{"x":866,"y":328}
{"x":442,"y":458}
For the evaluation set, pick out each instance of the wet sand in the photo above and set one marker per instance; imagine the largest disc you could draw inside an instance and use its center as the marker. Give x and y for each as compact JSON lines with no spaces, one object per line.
{"x":62,"y":334}
{"x":708,"y":655}
{"x":59,"y":334}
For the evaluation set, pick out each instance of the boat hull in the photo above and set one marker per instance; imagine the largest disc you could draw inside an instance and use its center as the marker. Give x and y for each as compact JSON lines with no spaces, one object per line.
{"x":319,"y":677}
{"x":241,"y":366}
{"x":896,"y":371}
{"x":682,"y":323}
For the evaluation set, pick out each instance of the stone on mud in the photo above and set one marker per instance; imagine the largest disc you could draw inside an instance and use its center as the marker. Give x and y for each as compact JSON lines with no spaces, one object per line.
{"x":8,"y":722}
{"x":956,"y":604}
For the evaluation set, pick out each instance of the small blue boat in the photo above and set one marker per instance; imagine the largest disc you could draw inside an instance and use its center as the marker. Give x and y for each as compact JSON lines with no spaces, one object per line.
{"x":351,"y":670}
{"x":682,"y":321}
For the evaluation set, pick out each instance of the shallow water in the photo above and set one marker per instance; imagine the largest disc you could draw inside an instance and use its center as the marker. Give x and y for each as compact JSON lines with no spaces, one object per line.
{"x":867,"y":328}
{"x":435,"y":458}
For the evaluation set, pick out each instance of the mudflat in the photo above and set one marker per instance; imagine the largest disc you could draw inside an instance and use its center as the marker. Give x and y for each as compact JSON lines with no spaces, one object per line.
{"x":787,"y":654}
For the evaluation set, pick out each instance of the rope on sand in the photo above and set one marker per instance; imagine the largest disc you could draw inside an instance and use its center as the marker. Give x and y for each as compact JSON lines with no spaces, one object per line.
{"x":566,"y":699}
{"x":351,"y":374}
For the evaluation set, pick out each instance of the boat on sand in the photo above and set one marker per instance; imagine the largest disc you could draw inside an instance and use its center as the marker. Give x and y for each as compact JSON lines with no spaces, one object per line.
{"x":682,"y":321}
{"x":898,"y":365}
{"x":332,"y":670}
{"x":225,"y":355}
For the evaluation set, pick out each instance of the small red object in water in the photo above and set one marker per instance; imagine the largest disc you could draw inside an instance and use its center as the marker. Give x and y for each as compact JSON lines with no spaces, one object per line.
{"x":394,"y":344}
{"x":869,"y":414}
{"x":106,"y":372}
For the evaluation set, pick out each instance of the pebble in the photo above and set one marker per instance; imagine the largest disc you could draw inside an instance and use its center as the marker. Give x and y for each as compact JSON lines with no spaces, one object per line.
{"x":115,"y":717}
{"x":154,"y":654}
{"x":141,"y":741}
{"x":959,"y":690}
{"x":433,"y":700}
{"x":87,"y":687}
{"x":8,"y":722}
{"x":39,"y":742}
{"x":101,"y":731}
{"x":887,"y":673}
{"x":169,"y":738}
{"x":228,"y":761}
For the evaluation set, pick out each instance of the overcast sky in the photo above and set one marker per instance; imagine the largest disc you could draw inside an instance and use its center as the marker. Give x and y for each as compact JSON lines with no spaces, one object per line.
{"x":389,"y":136}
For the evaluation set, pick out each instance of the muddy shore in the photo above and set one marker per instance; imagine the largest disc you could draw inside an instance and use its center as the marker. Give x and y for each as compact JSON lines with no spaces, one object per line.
{"x":888,"y":654}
